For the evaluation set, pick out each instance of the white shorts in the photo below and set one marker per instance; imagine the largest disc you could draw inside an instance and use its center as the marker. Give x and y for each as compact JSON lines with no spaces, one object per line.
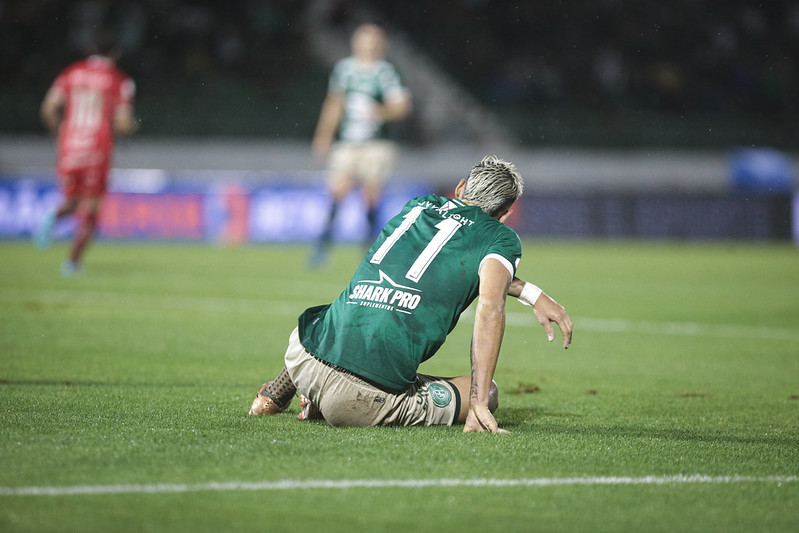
{"x":348,"y":400}
{"x":370,"y":161}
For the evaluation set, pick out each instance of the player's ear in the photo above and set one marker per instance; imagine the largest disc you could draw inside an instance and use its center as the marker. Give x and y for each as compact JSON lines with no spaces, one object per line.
{"x":459,"y":188}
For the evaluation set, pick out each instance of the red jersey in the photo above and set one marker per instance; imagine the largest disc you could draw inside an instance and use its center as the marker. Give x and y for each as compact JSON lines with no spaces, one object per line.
{"x":93,"y":90}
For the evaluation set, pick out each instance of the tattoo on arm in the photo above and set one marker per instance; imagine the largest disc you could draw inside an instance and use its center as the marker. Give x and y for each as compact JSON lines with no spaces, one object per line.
{"x":473,"y":388}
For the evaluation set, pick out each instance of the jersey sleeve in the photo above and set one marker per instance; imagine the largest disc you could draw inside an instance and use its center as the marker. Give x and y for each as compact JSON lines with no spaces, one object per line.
{"x":337,"y":84}
{"x":127,"y":91}
{"x":506,"y":248}
{"x":123,"y":95}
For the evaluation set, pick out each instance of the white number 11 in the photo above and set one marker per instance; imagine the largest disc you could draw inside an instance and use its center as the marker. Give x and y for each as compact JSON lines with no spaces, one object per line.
{"x":446,"y":229}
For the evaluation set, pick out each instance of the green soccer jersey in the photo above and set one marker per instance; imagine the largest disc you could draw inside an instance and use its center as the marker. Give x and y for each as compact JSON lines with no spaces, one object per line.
{"x":409,"y":290}
{"x":364,"y":86}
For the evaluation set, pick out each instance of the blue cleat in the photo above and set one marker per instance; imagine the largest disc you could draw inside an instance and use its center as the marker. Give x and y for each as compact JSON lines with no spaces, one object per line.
{"x":70,"y":268}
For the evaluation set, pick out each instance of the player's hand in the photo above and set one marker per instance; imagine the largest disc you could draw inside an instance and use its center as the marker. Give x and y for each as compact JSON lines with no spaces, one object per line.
{"x":481,"y":420}
{"x":548,"y":311}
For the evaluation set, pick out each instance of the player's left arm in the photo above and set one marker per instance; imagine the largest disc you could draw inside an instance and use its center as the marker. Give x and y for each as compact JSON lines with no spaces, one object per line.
{"x":546,"y":309}
{"x":51,"y":109}
{"x":489,"y":328}
{"x":125,"y":122}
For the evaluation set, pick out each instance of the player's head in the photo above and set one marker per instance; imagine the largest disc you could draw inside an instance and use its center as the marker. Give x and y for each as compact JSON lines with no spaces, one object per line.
{"x":369,"y":42}
{"x":493,"y":185}
{"x":106,"y":45}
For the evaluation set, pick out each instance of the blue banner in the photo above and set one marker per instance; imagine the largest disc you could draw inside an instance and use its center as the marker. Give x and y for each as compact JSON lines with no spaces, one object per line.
{"x":154,"y":207}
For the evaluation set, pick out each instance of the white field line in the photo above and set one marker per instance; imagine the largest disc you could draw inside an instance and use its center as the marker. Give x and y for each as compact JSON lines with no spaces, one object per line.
{"x":294,"y":308}
{"x":344,"y":484}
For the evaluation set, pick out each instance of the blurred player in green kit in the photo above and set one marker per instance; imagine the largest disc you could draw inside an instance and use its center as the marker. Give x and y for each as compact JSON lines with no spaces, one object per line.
{"x":364,"y":93}
{"x":355,"y":361}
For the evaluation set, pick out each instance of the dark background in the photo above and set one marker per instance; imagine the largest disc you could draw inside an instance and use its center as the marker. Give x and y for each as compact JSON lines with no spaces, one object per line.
{"x":604,"y":73}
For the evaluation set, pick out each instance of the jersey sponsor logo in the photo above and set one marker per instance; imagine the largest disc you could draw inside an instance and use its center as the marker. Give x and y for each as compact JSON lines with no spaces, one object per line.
{"x":384,"y":293}
{"x":444,"y":211}
{"x":447,"y":206}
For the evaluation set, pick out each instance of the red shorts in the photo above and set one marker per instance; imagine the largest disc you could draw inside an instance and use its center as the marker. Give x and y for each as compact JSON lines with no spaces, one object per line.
{"x":85,"y":182}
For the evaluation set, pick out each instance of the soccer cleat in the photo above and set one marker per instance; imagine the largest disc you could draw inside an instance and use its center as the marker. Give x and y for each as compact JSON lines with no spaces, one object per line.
{"x":263,"y":404}
{"x":70,"y":268}
{"x":308,"y":411}
{"x":43,"y":235}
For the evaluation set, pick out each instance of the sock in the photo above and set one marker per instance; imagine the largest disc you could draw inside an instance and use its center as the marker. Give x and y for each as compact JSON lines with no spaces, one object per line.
{"x":282,"y":389}
{"x":371,"y":217}
{"x":327,"y":234}
{"x":85,"y":233}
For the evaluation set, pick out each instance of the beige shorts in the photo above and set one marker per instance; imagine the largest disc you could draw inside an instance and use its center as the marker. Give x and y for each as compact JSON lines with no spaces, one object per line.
{"x":370,"y":161}
{"x":347,"y":400}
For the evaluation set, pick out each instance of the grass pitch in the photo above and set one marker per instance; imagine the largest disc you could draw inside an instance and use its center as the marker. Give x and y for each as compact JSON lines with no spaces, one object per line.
{"x":124,"y":393}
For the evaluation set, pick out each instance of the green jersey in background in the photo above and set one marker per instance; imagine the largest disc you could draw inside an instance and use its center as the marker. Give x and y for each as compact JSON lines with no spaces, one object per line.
{"x":364,"y":87}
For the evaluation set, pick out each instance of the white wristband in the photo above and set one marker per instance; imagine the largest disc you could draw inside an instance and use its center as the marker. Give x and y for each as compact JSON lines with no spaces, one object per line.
{"x":530,"y":294}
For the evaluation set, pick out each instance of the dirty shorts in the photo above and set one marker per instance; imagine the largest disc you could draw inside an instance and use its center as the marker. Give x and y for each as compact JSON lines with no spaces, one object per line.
{"x":348,"y":400}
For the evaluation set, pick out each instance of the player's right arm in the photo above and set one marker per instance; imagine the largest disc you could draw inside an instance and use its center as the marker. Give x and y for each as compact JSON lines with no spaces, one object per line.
{"x":395,"y":109}
{"x":51,"y":109}
{"x":329,"y":118}
{"x":546,"y":309}
{"x":489,"y":328}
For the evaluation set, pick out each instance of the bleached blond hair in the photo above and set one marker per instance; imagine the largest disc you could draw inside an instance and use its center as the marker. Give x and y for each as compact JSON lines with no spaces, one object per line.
{"x":493,"y":185}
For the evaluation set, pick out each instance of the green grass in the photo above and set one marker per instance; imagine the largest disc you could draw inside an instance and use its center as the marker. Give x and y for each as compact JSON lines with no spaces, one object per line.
{"x":140,"y":372}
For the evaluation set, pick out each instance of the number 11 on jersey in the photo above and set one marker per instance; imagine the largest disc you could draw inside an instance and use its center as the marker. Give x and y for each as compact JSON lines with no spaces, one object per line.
{"x":446,"y":229}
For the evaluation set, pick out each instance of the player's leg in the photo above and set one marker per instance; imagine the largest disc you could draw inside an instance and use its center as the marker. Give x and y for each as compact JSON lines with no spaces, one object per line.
{"x":67,"y":208}
{"x":309,"y":410}
{"x":92,"y":188}
{"x":348,"y":400}
{"x":464,"y":385}
{"x":327,"y":390}
{"x":372,"y":191}
{"x":71,"y":183}
{"x":274,"y":396}
{"x":374,"y":165}
{"x":43,"y":236}
{"x":340,"y":183}
{"x":88,"y":213}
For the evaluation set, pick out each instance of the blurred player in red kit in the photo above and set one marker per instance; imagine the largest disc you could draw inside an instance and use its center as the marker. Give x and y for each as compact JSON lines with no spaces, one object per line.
{"x":89,"y":103}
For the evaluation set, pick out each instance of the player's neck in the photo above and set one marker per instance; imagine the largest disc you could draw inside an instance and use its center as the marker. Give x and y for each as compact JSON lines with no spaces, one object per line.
{"x":99,"y":58}
{"x":366,"y":61}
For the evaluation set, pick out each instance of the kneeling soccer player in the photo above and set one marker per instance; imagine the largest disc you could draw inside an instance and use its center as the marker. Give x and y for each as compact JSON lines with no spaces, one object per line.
{"x":355,"y":361}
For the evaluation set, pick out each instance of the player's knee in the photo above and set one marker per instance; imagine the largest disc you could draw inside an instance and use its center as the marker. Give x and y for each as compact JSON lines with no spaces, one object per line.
{"x":89,"y":218}
{"x":68,"y":207}
{"x":493,"y":396}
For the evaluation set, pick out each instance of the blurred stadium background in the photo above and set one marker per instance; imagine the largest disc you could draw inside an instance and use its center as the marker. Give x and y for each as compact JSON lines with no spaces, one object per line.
{"x":639,"y":119}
